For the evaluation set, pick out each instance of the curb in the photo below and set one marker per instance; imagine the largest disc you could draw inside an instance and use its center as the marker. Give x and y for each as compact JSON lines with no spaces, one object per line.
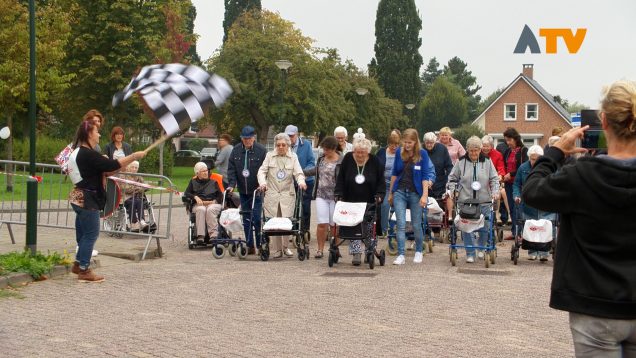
{"x":21,"y":278}
{"x":151,"y":254}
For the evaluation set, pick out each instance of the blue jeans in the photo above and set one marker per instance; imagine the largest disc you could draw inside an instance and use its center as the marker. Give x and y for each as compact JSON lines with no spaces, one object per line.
{"x":86,"y":233}
{"x":385,"y":209}
{"x":469,"y":238}
{"x":246,"y":207}
{"x":512,"y":205}
{"x":402,"y":200}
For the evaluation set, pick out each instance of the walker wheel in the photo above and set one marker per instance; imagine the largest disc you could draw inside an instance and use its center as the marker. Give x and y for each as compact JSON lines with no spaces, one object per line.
{"x":307,"y":253}
{"x":191,"y":246}
{"x":301,"y":254}
{"x":391,"y":246}
{"x":492,"y":255}
{"x":306,"y":237}
{"x":382,"y":257}
{"x":264,"y":255}
{"x":429,"y":245}
{"x":330,"y":260}
{"x":453,"y":257}
{"x":499,"y":235}
{"x":218,"y":251}
{"x":371,"y":260}
{"x":232,"y":249}
{"x":487,"y":261}
{"x":241,"y":251}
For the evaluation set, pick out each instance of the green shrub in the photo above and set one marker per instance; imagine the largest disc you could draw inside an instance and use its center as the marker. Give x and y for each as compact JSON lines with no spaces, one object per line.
{"x":150,"y":163}
{"x":36,"y":266}
{"x":46,"y":149}
{"x":197,"y":144}
{"x":466,"y":131}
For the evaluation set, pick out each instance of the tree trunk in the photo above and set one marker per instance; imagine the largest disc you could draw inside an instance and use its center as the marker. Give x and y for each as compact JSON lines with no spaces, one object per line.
{"x":262,"y":129}
{"x":9,"y":168}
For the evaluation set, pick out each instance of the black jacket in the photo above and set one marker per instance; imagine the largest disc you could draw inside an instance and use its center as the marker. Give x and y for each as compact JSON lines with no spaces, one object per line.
{"x":349,"y":190}
{"x":522,"y":156}
{"x":443,"y":166}
{"x":255,"y":158}
{"x":595,"y":261}
{"x":110,"y":149}
{"x":205,"y":189}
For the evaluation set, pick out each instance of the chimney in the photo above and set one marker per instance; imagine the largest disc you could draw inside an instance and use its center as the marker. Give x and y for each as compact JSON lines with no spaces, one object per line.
{"x":528,"y":70}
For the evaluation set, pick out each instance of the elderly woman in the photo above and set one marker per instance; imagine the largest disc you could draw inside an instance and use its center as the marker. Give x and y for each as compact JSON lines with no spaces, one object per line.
{"x":475,"y":168}
{"x":135,"y":198}
{"x":206,"y":194}
{"x":455,"y":149}
{"x":386,"y":156}
{"x":326,"y":172}
{"x":438,"y":154}
{"x":341,"y":135}
{"x":488,"y":149}
{"x":276,"y":178}
{"x":513,"y":156}
{"x":117,"y":148}
{"x":528,"y":212}
{"x":361,"y":179}
{"x":409,"y":189}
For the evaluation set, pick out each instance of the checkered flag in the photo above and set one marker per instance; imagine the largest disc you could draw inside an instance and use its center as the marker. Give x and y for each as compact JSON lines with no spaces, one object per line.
{"x":177,"y":94}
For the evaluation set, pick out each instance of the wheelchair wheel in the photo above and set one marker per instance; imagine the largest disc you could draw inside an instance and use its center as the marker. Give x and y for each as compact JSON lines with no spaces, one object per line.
{"x":453,"y":257}
{"x":232,"y":248}
{"x":429,"y":245}
{"x":218,"y":251}
{"x":391,"y":246}
{"x":371,"y":260}
{"x":382,"y":257}
{"x":241,"y":251}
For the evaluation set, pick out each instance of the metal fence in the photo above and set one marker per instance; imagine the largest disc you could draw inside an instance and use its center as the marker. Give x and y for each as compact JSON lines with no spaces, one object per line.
{"x":55,"y":211}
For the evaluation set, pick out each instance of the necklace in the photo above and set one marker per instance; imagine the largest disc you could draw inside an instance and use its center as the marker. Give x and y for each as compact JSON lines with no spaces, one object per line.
{"x":360,"y":179}
{"x":280,"y":174}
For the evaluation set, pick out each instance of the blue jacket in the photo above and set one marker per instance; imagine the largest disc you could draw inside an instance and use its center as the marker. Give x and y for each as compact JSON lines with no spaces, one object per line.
{"x":305,"y":156}
{"x":422,"y":170}
{"x":520,"y":179}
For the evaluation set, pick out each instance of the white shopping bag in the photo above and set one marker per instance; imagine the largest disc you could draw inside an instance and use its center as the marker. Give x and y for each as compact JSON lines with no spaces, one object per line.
{"x":349,"y":214}
{"x":433,"y":206}
{"x":539,"y":231}
{"x":275,"y":224}
{"x":468,"y":225}
{"x":231,"y":220}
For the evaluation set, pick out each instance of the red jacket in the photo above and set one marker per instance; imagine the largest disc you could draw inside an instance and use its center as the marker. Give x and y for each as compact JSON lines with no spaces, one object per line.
{"x":497,"y":161}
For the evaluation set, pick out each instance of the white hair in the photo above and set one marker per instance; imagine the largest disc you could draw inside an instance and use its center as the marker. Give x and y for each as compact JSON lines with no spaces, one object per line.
{"x":199,"y":167}
{"x":473,"y":142}
{"x":553,"y":140}
{"x":487,"y":140}
{"x":340,"y":129}
{"x":535,"y":149}
{"x":283,"y":137}
{"x":429,"y":137}
{"x":362,"y":144}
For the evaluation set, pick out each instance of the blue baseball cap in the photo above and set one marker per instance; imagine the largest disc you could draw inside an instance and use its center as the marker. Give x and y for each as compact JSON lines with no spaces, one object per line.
{"x":248,"y":132}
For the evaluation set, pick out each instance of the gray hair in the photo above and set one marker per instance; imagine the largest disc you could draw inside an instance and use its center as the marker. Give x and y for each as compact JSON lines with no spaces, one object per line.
{"x":487,"y":140}
{"x":429,"y":137}
{"x":535,"y":149}
{"x":282,"y":136}
{"x":473,"y":142}
{"x":362,"y":144}
{"x":340,"y":129}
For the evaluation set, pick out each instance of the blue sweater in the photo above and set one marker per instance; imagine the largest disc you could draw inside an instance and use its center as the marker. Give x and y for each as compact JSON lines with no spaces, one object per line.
{"x":422,"y":170}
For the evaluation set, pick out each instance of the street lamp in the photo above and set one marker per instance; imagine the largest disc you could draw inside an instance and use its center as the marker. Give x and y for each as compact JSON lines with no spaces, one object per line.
{"x":410,"y":106}
{"x":283,"y":66}
{"x":362,"y":91}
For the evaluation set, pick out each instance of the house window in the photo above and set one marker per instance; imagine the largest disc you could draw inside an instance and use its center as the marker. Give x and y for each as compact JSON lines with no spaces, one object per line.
{"x":510,"y":112}
{"x":532,"y":112}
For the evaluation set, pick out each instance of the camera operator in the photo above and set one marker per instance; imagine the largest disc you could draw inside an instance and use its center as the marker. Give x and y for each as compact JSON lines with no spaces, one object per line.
{"x":594,"y":276}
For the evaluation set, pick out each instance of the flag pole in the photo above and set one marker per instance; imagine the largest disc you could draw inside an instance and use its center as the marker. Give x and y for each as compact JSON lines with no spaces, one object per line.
{"x":157,"y":142}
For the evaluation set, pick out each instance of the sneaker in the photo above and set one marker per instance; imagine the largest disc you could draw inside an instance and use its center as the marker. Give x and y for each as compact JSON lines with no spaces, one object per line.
{"x":277,"y":254}
{"x":89,"y":276}
{"x":543,"y":258}
{"x":470,"y":259}
{"x":357,"y":259}
{"x":288,"y":252}
{"x":418,"y":258}
{"x":480,"y":254}
{"x":400,"y":260}
{"x":200,"y":239}
{"x":75,"y":269}
{"x":532,"y":257}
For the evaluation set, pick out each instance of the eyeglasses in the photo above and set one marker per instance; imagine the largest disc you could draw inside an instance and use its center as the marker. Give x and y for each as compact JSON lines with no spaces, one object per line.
{"x":280,"y":145}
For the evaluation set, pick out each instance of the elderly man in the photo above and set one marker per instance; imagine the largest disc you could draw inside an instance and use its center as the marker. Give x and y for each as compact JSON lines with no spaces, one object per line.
{"x":245,"y":160}
{"x":305,"y":154}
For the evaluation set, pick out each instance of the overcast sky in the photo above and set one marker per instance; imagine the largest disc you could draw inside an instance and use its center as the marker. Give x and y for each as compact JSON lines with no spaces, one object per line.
{"x":482,"y":33}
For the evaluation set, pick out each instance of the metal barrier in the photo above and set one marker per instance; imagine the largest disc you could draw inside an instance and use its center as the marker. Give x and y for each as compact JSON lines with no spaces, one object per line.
{"x":55,"y":211}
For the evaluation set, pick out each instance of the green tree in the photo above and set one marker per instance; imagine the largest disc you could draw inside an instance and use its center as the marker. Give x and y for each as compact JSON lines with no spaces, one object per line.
{"x":234,"y":9}
{"x":488,"y":101}
{"x":466,"y":131}
{"x":397,"y":44}
{"x":192,"y":56}
{"x":430,"y":74}
{"x":444,"y":105}
{"x":314,"y":97}
{"x":457,"y":71}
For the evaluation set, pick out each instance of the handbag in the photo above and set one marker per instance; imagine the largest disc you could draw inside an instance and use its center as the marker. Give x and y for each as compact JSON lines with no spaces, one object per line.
{"x":469,"y":209}
{"x":349,"y":214}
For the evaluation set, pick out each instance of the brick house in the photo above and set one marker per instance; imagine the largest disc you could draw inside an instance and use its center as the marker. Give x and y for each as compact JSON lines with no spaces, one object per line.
{"x":527,"y":107}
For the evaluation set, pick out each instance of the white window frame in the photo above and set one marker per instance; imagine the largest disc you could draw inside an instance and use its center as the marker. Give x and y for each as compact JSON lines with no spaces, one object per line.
{"x":532,"y":119}
{"x":506,"y":118}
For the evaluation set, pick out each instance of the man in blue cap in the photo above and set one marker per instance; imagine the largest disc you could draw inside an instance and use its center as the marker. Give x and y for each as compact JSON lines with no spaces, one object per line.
{"x":303,"y":150}
{"x":245,"y":160}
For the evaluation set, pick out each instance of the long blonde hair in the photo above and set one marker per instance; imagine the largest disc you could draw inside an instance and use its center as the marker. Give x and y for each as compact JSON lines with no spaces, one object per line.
{"x":411,"y":134}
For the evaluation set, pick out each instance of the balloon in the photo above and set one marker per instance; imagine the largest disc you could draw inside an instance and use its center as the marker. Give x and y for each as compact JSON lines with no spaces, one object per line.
{"x":5,"y":133}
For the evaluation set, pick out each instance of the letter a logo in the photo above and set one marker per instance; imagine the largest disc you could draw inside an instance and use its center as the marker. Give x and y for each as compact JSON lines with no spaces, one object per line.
{"x":527,"y":39}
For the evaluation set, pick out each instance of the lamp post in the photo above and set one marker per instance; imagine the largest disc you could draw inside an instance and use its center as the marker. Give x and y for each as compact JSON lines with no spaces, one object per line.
{"x":409,"y":107}
{"x":283,"y":66}
{"x":362,"y":91}
{"x":32,"y":184}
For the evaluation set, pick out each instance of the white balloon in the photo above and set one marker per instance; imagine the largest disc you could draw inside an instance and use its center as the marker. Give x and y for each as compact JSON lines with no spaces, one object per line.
{"x":5,"y":133}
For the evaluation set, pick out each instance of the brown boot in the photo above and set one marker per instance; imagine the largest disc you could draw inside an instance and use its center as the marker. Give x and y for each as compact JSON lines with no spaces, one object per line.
{"x":75,"y":269}
{"x":89,"y":276}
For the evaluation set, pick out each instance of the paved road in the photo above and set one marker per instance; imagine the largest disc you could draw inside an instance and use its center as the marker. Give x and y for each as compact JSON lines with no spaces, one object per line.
{"x":189,"y":304}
